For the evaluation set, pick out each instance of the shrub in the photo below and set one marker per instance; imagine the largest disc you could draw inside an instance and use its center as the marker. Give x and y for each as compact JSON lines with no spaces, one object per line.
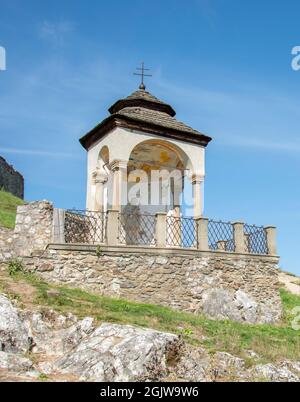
{"x":14,"y":267}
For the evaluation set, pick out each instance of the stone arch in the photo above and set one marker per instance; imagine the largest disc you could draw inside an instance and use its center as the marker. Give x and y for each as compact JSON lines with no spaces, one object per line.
{"x":165,"y":157}
{"x":160,"y":144}
{"x":103,"y":158}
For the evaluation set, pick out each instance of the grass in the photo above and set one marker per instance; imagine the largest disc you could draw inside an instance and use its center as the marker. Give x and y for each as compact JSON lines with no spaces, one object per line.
{"x":289,"y":301}
{"x":8,"y":208}
{"x":270,"y":342}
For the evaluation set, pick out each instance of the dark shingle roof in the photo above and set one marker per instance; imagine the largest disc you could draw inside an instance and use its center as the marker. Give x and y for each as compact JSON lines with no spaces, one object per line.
{"x":145,"y":112}
{"x":142,"y":99}
{"x":157,"y":118}
{"x":144,"y":95}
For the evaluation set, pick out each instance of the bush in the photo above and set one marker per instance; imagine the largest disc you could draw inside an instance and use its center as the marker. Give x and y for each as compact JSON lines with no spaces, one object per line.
{"x":14,"y":267}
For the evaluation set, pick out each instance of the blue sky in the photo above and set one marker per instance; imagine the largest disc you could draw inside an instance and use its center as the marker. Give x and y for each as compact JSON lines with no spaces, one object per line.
{"x":224,"y":65}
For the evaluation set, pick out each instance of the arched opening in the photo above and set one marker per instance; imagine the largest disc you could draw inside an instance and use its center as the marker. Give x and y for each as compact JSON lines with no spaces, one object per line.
{"x":103,"y":158}
{"x":156,"y":171}
{"x":100,"y":177}
{"x":163,"y":166}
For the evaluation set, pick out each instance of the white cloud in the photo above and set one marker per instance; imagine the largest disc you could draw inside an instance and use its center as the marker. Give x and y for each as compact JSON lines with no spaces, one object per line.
{"x":263,"y":144}
{"x":55,"y":32}
{"x":39,"y":153}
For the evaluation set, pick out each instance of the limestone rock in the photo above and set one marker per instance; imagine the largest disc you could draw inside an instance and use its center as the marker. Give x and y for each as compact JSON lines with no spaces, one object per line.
{"x":193,"y":366}
{"x":13,"y":333}
{"x":219,"y":304}
{"x":57,"y":337}
{"x":121,"y":353}
{"x":14,"y":362}
{"x":247,"y":306}
{"x":225,"y":365}
{"x":224,"y":304}
{"x":275,"y":374}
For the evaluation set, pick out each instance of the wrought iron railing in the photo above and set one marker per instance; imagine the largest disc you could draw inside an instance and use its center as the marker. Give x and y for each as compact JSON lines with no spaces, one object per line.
{"x":86,"y":227}
{"x":181,"y":232}
{"x":220,"y":236}
{"x":255,"y":239}
{"x":137,"y":229}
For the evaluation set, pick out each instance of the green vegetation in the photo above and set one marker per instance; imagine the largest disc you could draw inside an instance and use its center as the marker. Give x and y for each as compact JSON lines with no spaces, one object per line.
{"x":8,"y":208}
{"x":289,"y":301}
{"x":270,"y":342}
{"x":43,"y":378}
{"x":14,"y":266}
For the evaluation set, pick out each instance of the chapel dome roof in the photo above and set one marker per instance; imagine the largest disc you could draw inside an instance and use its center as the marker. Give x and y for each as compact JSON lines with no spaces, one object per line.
{"x":144,"y":99}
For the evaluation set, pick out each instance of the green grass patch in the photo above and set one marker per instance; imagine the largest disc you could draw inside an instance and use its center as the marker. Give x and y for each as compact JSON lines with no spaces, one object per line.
{"x":8,"y":208}
{"x":290,"y":302}
{"x":270,"y":342}
{"x":14,"y":266}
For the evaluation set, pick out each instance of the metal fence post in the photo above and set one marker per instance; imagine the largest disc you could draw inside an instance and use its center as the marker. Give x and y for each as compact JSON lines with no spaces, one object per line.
{"x":271,"y":239}
{"x":58,"y":226}
{"x":112,"y":227}
{"x":239,"y":237}
{"x":161,"y":229}
{"x":202,"y":233}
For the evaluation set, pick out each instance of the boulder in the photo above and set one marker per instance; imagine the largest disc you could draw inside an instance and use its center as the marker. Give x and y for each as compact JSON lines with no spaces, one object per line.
{"x":14,"y":362}
{"x":219,"y":304}
{"x":57,"y":335}
{"x":121,"y":353}
{"x":193,"y":366}
{"x":224,"y":304}
{"x":13,"y":333}
{"x":274,"y":373}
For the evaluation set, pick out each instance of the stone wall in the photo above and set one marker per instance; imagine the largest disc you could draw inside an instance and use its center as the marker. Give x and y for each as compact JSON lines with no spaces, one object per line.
{"x":11,"y":180}
{"x":6,"y":251}
{"x":222,"y":285}
{"x":33,"y":229}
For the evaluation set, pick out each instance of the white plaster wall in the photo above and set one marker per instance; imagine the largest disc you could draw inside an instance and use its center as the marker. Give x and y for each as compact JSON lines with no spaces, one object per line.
{"x":121,"y":143}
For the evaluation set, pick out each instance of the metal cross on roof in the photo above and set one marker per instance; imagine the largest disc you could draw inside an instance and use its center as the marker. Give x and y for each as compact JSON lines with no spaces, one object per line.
{"x":142,"y":74}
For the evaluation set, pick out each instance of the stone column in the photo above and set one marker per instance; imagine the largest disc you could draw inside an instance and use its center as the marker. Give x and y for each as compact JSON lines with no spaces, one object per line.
{"x":222,"y":245}
{"x":198,"y":183}
{"x":176,"y":216}
{"x":161,"y":229}
{"x":239,"y":237}
{"x":58,"y":228}
{"x":119,"y":196}
{"x":271,"y":239}
{"x":202,"y":233}
{"x":99,"y":181}
{"x":112,"y":237}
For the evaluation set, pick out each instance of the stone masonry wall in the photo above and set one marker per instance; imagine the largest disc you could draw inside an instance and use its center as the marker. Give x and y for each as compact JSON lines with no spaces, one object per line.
{"x":11,"y":180}
{"x":33,"y":231}
{"x":6,"y":251}
{"x":222,"y":285}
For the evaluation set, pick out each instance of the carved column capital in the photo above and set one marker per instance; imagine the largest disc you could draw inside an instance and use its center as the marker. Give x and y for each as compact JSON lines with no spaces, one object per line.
{"x":98,"y":177}
{"x":117,"y":165}
{"x":197,"y":179}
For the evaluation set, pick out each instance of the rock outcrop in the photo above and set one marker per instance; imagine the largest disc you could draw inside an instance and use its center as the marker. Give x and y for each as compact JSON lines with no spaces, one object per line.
{"x":13,"y":333}
{"x":38,"y":345}
{"x":121,"y":353}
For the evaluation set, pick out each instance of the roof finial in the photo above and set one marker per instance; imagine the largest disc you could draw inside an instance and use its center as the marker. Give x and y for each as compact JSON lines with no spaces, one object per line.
{"x":143,"y":75}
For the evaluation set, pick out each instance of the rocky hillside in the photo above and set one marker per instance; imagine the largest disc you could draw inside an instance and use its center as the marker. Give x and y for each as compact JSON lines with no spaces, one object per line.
{"x":42,"y":339}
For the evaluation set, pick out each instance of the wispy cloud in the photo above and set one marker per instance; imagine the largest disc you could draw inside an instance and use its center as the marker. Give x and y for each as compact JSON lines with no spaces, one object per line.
{"x":39,"y":153}
{"x":255,"y":117}
{"x":262,"y":144}
{"x":55,"y":32}
{"x":208,"y":10}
